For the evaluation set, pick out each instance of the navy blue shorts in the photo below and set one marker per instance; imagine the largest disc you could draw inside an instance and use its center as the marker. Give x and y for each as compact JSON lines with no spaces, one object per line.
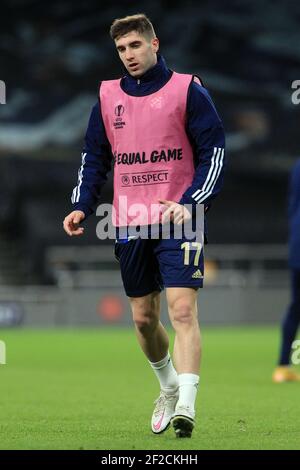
{"x":150,"y":265}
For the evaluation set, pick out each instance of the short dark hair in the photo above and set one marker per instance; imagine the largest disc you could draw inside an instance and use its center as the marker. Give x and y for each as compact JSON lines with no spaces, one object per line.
{"x":138,"y":22}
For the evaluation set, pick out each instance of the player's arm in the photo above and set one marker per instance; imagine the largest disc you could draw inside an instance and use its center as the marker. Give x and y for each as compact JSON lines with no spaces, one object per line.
{"x":92,"y":174}
{"x":207,"y":137}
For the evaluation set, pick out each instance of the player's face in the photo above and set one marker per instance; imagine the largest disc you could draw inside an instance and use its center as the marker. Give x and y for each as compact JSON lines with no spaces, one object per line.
{"x":137,"y":53}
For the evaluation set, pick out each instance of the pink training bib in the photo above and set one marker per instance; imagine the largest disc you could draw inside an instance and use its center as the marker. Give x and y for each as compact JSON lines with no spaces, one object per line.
{"x":153,"y":158}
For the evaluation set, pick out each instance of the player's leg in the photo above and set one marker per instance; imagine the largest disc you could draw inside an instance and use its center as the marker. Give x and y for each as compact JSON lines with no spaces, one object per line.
{"x":151,"y":334}
{"x":182,"y":304}
{"x":142,"y":283}
{"x":290,"y":324}
{"x":154,"y":342}
{"x":182,"y":264}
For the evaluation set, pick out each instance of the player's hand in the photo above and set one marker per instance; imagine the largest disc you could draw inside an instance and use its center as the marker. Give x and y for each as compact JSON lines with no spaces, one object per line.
{"x":175,"y":212}
{"x":72,"y":221}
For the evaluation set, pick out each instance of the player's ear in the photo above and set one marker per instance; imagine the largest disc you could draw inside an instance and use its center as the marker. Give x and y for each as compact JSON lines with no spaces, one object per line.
{"x":155,"y":44}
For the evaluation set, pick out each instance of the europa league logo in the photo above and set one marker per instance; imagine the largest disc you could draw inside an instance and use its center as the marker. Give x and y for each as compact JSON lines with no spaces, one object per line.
{"x":119,"y":110}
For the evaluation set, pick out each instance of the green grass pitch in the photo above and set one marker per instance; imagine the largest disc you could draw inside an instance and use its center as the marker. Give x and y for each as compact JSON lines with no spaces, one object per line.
{"x":92,"y":389}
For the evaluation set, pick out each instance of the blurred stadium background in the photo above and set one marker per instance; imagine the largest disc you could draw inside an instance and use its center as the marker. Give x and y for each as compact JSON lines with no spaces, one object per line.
{"x":58,"y":388}
{"x":51,"y":61}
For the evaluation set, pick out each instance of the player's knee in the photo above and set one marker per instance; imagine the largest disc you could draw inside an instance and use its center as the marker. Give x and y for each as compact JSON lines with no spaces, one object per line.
{"x":145,"y":320}
{"x":182,"y":313}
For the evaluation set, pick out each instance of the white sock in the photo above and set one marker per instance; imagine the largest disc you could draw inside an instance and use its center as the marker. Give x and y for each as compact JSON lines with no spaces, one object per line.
{"x":188,"y":385}
{"x":166,"y":374}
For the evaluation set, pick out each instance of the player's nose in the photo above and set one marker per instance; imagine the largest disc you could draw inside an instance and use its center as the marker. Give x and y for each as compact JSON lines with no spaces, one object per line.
{"x":129,"y":55}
